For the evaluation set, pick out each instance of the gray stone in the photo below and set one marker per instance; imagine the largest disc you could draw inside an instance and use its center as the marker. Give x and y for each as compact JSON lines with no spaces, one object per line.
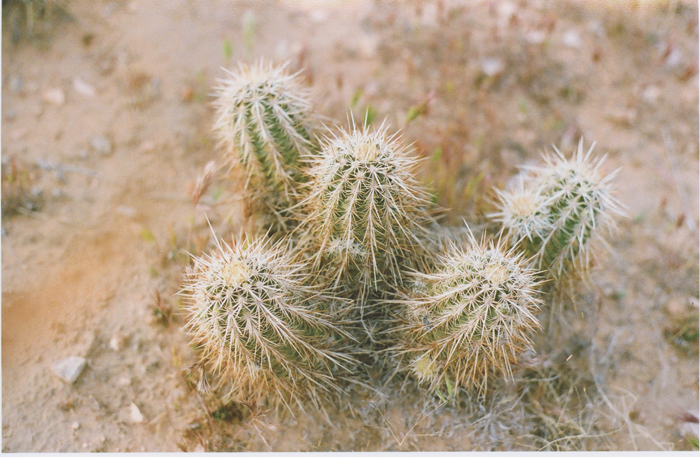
{"x":69,"y":369}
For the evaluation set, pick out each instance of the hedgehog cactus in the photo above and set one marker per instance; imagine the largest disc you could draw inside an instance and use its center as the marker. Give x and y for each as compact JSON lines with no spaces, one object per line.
{"x":559,"y":211}
{"x":265,"y":122}
{"x":364,"y":210}
{"x":470,"y":319}
{"x":259,"y":328}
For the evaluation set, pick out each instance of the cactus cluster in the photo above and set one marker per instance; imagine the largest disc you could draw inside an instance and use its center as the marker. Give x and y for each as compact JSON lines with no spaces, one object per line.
{"x":267,"y":318}
{"x":364,"y":210}
{"x":265,"y":122}
{"x":258,"y":324}
{"x":471,"y":318}
{"x":559,"y":211}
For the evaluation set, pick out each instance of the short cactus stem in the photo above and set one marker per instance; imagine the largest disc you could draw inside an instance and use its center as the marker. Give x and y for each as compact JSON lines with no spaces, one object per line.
{"x":471,"y":319}
{"x":560,"y":211}
{"x":364,"y":210}
{"x":261,"y":332}
{"x":265,"y":122}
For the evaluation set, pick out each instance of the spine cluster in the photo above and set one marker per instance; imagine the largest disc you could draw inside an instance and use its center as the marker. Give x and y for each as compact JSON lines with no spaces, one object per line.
{"x":559,"y":211}
{"x":364,"y":209}
{"x":259,"y":326}
{"x":471,"y":318}
{"x":265,"y":122}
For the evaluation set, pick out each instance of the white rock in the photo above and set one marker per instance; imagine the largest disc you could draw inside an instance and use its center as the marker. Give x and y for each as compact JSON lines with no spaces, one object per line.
{"x":83,"y":88}
{"x":507,"y":9}
{"x":75,"y":425}
{"x":135,"y":414}
{"x":116,"y":343}
{"x":572,"y":39}
{"x":651,"y":94}
{"x":69,"y":369}
{"x":55,"y":96}
{"x":674,"y":58}
{"x":492,"y":66}
{"x":124,"y":381}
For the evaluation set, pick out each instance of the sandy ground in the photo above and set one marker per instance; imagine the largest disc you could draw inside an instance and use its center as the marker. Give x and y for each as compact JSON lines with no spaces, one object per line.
{"x":106,"y":110}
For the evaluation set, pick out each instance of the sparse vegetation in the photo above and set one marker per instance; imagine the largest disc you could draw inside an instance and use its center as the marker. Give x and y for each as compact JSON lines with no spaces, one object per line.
{"x":115,"y":129}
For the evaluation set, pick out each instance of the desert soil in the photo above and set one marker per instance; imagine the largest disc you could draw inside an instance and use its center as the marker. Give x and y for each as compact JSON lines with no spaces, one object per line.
{"x":106,"y":108}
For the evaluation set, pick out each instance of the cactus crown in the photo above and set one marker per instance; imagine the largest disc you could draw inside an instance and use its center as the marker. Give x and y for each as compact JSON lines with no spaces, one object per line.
{"x":364,"y":206}
{"x":470,"y":318}
{"x":559,"y":210}
{"x":264,"y":121}
{"x":258,"y":326}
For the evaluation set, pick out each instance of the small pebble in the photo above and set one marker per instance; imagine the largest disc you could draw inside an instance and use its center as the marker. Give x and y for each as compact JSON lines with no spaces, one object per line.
{"x":674,"y":59}
{"x":116,"y":343}
{"x":75,"y":425}
{"x":101,"y":144}
{"x":135,"y":414}
{"x":492,"y":66}
{"x":83,"y":88}
{"x":572,"y":39}
{"x":69,"y":369}
{"x":55,"y":96}
{"x":651,"y":93}
{"x":124,"y":381}
{"x":507,"y":9}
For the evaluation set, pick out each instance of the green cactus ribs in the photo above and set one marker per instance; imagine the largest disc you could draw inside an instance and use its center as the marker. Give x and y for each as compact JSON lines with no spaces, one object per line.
{"x":559,"y":210}
{"x":265,"y":122}
{"x":259,"y":329}
{"x":364,"y":209}
{"x":469,"y":320}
